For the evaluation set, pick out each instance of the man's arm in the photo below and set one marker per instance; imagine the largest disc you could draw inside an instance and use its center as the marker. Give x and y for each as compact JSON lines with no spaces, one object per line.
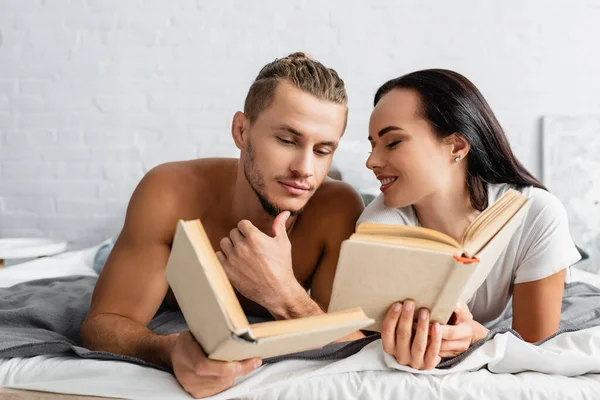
{"x":132,"y":284}
{"x":342,"y":213}
{"x":338,"y":219}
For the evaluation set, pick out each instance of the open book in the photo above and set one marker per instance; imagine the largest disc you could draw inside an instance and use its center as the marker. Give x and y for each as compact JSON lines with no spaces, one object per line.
{"x":215,"y":316}
{"x":381,"y":264}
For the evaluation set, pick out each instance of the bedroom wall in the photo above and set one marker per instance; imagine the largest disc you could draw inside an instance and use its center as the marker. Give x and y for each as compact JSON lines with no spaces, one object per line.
{"x":93,"y":93}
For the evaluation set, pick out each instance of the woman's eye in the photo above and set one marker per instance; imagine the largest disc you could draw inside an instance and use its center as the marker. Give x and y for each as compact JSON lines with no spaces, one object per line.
{"x":284,"y":141}
{"x":392,"y":144}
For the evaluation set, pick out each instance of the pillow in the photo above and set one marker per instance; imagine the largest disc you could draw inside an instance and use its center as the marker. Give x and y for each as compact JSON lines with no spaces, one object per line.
{"x":102,"y":254}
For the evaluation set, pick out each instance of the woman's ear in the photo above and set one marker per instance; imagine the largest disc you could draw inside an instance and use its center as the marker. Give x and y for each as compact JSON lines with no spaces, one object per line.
{"x":459,"y":146}
{"x":239,"y":128}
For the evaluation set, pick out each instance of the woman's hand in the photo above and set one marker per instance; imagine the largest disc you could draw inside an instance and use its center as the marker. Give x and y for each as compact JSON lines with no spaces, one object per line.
{"x":421,"y":345}
{"x":461,"y":333}
{"x":421,"y":351}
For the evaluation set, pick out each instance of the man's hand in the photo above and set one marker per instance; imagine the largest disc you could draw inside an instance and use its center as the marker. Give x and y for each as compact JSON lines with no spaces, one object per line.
{"x":200,"y":376}
{"x":260,"y":266}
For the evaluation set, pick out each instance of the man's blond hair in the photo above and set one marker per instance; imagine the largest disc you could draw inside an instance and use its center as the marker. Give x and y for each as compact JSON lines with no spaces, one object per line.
{"x":301,"y":71}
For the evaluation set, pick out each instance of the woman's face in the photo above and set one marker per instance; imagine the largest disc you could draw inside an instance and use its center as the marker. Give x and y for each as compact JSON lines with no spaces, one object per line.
{"x":407,"y":158}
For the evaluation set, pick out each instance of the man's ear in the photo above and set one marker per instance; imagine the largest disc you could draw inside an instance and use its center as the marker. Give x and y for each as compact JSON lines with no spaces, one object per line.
{"x":239,"y":129}
{"x":459,"y":145}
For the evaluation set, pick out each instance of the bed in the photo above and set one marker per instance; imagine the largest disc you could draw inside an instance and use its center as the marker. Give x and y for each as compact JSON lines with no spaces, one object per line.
{"x":365,"y":375}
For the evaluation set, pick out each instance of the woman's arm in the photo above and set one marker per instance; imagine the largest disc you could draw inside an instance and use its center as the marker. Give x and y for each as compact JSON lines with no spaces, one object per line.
{"x":537,"y":306}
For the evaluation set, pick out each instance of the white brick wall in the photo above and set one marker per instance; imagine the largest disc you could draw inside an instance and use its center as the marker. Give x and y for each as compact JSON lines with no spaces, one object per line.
{"x":93,"y":93}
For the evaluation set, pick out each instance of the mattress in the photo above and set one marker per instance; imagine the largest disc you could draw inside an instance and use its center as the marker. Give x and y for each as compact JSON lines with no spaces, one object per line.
{"x":71,"y":377}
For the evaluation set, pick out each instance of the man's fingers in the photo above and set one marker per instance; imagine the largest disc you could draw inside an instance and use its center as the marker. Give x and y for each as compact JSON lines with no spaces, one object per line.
{"x":236,"y":369}
{"x":247,"y":229}
{"x":388,"y":328}
{"x":248,"y":366}
{"x":201,"y":376}
{"x":224,"y":374}
{"x":226,"y":246}
{"x":221,"y":257}
{"x":235,"y":236}
{"x":279,"y":228}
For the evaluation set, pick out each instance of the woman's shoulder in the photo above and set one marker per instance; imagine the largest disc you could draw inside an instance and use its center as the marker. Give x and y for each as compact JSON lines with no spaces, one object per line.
{"x":377,"y":212}
{"x":546,"y":218}
{"x":543,"y":200}
{"x":544,"y":244}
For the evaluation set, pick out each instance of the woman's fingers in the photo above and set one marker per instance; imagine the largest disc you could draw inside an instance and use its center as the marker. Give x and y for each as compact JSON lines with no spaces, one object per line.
{"x":452,"y":348}
{"x":462,"y":314}
{"x":404,"y":333}
{"x":419,"y":343}
{"x":432,"y":355}
{"x":457,"y":332}
{"x":388,"y":328}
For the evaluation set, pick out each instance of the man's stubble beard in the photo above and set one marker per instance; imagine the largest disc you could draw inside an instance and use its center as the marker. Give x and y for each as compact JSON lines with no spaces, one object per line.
{"x":257,"y":183}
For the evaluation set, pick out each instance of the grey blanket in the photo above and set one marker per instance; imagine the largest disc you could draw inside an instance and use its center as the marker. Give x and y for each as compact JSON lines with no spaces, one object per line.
{"x":44,"y":317}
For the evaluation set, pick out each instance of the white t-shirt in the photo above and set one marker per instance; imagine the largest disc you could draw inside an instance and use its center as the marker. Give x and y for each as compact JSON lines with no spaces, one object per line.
{"x":541,"y":246}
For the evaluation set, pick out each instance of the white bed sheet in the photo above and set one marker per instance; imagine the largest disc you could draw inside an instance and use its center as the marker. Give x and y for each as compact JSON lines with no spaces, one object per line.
{"x":70,"y":263}
{"x":291,"y":379}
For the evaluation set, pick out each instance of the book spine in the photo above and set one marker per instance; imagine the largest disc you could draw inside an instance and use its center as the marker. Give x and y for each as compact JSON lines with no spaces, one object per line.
{"x":451,"y":292}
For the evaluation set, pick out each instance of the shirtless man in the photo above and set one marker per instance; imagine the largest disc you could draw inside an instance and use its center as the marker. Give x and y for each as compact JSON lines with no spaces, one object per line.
{"x":270,"y":207}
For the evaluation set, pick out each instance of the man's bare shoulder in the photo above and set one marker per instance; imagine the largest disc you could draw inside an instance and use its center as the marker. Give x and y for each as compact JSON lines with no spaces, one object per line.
{"x":181,"y":179}
{"x":171,"y":191}
{"x":183,"y":172}
{"x":336,"y":198}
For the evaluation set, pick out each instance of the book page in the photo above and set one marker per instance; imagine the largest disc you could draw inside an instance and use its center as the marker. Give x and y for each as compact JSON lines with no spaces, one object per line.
{"x":491,"y":221}
{"x":412,"y":242}
{"x":417,"y":232}
{"x":275,"y":328}
{"x":488,"y":215}
{"x":234,"y":348}
{"x":489,"y":254}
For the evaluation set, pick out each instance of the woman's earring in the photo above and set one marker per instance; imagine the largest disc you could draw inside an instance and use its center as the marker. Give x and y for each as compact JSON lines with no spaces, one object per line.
{"x":457,"y":159}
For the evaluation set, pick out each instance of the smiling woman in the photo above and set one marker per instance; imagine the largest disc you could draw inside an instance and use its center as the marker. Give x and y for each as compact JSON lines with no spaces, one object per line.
{"x":442,"y":157}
